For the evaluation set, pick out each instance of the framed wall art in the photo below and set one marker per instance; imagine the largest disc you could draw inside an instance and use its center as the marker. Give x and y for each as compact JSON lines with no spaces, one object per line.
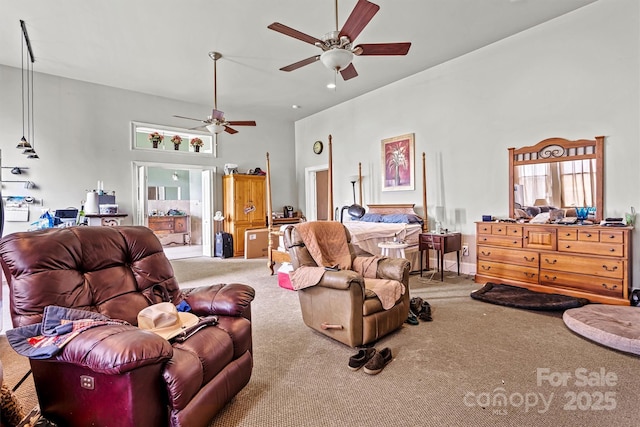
{"x":398,"y":163}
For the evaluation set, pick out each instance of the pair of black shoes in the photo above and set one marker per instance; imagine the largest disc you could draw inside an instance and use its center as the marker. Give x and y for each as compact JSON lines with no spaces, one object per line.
{"x":420,"y":309}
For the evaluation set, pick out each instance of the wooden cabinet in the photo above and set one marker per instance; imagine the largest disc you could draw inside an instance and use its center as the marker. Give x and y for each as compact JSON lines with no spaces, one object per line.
{"x":166,"y":225}
{"x":244,"y":206}
{"x":591,"y":262}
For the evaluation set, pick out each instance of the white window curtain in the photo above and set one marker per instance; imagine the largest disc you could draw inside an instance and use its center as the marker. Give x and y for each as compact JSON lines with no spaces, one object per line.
{"x":577,"y":182}
{"x":536,"y":182}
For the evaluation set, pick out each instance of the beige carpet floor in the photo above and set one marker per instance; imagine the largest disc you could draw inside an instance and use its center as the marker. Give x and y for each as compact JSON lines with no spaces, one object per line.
{"x":475,"y":364}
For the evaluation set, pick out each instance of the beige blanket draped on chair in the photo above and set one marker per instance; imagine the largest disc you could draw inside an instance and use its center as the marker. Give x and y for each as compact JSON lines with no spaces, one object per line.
{"x":327,"y":244}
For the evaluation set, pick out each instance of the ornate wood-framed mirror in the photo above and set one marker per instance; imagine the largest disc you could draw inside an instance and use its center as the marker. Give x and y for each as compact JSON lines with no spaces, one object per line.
{"x":560,"y":173}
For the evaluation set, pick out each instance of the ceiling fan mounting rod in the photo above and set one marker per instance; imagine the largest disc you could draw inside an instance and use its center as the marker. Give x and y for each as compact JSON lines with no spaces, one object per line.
{"x":215,"y":56}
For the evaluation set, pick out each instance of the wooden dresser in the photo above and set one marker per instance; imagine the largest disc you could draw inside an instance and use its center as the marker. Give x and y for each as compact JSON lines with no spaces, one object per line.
{"x":587,"y":261}
{"x":244,"y":206}
{"x":165,"y":225}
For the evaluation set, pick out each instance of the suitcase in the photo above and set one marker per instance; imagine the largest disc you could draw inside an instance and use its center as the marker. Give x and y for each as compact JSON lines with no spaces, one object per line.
{"x":224,"y":245}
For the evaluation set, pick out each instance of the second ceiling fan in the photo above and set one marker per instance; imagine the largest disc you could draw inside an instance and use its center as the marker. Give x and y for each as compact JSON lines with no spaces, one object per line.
{"x":216,"y":123}
{"x":337,"y":46}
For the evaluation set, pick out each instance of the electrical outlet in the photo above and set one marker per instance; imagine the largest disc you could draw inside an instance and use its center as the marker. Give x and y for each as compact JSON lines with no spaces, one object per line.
{"x":465,"y":250}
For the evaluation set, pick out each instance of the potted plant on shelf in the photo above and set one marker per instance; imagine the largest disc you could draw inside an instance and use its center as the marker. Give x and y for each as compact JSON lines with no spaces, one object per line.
{"x":155,"y":139}
{"x":196,"y":143}
{"x":177,"y":140}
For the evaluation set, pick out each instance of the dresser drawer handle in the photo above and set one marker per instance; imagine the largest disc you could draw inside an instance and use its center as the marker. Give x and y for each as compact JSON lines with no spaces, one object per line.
{"x":550,"y":278}
{"x":485,"y":253}
{"x":611,"y":236}
{"x":529,"y":259}
{"x":612,"y":250}
{"x":550,"y":262}
{"x":499,"y":230}
{"x":567,"y":247}
{"x":484,"y":239}
{"x":485,"y":267}
{"x":588,"y":234}
{"x":530,"y":275}
{"x":614,"y":268}
{"x":610,"y":288}
{"x":515,"y":242}
{"x":568,"y":235}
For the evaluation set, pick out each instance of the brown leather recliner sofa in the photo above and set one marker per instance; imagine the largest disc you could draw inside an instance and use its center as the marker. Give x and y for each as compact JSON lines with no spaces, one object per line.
{"x":339,"y":306}
{"x":120,"y":375}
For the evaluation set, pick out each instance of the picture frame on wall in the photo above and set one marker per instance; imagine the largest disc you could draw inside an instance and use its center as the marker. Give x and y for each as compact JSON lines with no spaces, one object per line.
{"x":398,"y":163}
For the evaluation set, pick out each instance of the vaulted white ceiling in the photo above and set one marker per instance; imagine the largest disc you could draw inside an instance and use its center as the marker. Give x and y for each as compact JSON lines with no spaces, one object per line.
{"x":160,"y":47}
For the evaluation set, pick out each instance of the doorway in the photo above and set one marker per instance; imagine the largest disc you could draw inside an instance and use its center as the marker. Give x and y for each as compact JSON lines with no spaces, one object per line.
{"x":317,"y":193}
{"x":176,"y":201}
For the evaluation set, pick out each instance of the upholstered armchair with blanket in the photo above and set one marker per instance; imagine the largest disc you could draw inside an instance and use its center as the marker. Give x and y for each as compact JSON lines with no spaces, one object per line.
{"x":352,"y":299}
{"x":119,"y":374}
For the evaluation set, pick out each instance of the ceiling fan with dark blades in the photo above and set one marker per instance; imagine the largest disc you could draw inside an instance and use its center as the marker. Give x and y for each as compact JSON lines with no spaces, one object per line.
{"x":216,"y":123}
{"x":337,"y":46}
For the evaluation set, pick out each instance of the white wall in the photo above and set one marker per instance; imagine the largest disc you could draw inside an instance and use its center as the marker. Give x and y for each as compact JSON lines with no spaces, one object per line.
{"x":82,"y":135}
{"x":573,"y":77}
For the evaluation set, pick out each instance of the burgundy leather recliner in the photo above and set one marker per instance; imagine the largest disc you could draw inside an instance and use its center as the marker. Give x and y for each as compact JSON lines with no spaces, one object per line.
{"x":119,"y":375}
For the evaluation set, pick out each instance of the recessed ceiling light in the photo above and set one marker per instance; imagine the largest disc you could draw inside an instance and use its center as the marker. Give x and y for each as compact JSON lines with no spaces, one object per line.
{"x":295,"y":106}
{"x":331,"y":86}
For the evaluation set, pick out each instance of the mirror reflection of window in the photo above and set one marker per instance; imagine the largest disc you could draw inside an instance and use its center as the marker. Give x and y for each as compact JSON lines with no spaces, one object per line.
{"x":562,"y":184}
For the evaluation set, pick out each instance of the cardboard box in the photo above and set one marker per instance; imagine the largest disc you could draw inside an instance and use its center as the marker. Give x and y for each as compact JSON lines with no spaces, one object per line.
{"x":284,"y":280}
{"x":256,"y":243}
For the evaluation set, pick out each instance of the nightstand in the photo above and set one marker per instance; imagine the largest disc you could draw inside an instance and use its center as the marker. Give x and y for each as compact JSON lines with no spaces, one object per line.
{"x":442,"y":244}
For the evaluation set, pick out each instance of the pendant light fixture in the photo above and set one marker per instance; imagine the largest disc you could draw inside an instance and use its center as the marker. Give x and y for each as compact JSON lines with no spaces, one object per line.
{"x":29,"y":148}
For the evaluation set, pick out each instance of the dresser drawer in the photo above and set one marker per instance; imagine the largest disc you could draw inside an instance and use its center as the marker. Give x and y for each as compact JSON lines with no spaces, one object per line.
{"x":592,"y":248}
{"x":511,"y":242}
{"x":568,"y":234}
{"x":508,"y":271}
{"x":601,"y":267}
{"x":588,"y":235}
{"x":483,"y":228}
{"x":611,"y":236}
{"x":508,"y":256}
{"x":597,"y":285}
{"x":499,"y":229}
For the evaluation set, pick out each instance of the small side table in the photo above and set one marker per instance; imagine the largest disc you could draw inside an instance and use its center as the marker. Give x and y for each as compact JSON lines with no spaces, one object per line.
{"x":442,"y":244}
{"x":398,"y":249}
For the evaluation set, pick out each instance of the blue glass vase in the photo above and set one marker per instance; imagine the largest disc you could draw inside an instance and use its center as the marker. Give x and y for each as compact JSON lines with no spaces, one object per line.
{"x":582,"y":213}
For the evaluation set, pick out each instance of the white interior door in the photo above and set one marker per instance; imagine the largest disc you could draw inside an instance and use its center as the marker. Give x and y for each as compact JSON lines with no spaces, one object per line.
{"x":208,"y":202}
{"x":141,"y":199}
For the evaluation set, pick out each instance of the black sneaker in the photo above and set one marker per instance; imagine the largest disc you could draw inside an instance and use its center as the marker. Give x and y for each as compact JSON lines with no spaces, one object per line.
{"x":415,"y":304}
{"x":425,"y":312}
{"x":359,"y":359}
{"x":378,"y":361}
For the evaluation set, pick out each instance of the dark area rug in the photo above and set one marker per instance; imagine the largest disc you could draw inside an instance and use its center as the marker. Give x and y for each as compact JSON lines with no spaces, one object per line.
{"x":512,"y":296}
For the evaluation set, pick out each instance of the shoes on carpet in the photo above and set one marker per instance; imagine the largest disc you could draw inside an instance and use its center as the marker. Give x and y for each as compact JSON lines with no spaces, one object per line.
{"x":359,"y":359}
{"x":425,"y":312}
{"x":378,"y":361}
{"x":415,"y":304}
{"x":412,"y":319}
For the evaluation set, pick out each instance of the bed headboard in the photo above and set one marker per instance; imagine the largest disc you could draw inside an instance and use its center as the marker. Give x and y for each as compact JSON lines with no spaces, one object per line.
{"x":392,"y":208}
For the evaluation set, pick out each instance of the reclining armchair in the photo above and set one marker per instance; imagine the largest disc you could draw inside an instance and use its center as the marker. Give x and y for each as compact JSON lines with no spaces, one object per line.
{"x":121,"y":375}
{"x":339,"y":306}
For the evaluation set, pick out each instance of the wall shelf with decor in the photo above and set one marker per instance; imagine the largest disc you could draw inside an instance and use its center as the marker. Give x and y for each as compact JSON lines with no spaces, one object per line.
{"x":150,"y":137}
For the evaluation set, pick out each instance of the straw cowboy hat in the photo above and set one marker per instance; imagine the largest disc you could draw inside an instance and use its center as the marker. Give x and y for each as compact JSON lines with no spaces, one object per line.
{"x":165,"y":320}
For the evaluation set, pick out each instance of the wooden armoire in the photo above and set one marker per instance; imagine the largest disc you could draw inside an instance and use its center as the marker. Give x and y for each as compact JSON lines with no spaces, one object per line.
{"x":244,"y":206}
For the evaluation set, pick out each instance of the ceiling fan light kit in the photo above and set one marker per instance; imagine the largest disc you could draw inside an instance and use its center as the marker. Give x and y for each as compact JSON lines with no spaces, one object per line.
{"x":215,"y":128}
{"x":336,"y":59}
